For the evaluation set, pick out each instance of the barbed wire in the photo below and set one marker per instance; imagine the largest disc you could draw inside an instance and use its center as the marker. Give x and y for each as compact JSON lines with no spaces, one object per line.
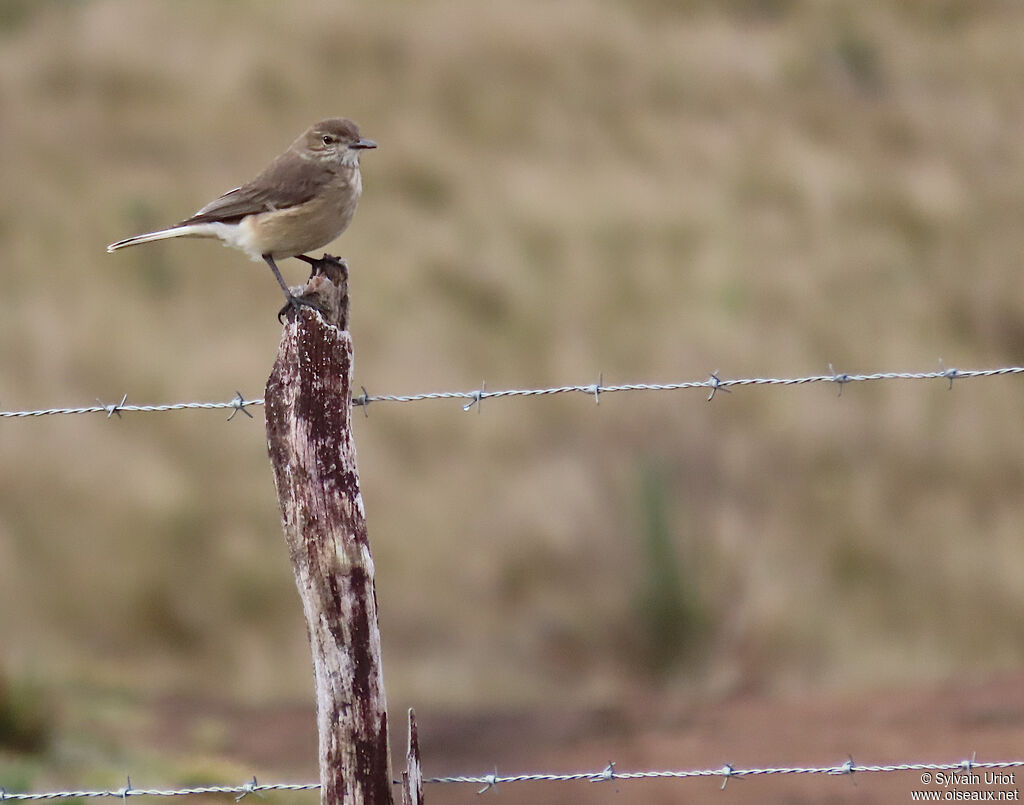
{"x":490,"y":781}
{"x":238,"y":403}
{"x":714,"y":383}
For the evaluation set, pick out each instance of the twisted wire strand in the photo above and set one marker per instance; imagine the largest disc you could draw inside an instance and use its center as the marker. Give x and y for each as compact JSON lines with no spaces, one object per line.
{"x":713,"y":383}
{"x":489,"y":781}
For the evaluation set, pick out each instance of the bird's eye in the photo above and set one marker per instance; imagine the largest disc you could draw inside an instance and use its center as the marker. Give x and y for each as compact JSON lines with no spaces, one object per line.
{"x":328,"y":139}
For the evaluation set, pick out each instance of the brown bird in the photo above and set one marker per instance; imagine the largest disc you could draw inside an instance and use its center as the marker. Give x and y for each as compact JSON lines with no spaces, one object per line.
{"x":302,"y":201}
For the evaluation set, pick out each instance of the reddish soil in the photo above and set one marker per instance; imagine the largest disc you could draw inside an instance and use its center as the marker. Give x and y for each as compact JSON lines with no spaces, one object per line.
{"x":945,"y":723}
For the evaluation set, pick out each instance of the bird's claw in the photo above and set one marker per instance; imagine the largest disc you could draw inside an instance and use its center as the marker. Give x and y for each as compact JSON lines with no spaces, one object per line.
{"x":296,"y":302}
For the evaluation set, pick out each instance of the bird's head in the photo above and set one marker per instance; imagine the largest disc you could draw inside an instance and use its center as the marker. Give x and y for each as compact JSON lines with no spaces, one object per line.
{"x":334,"y":140}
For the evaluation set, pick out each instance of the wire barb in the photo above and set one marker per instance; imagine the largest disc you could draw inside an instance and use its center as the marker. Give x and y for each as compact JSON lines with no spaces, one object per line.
{"x":849,"y":767}
{"x":716,"y":385}
{"x":249,"y":788}
{"x":239,"y":403}
{"x":363,"y":400}
{"x":950,"y":374}
{"x":476,"y":398}
{"x":728,"y":773}
{"x":607,"y":775}
{"x":840,"y":379}
{"x":490,"y":781}
{"x":114,"y":408}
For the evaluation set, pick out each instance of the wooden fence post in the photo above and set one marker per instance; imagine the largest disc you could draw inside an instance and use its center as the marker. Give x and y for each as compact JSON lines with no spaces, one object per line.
{"x":308,"y":409}
{"x":412,"y":777}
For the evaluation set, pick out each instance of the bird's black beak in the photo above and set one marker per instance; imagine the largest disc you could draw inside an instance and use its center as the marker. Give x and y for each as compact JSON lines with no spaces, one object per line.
{"x":363,"y":143}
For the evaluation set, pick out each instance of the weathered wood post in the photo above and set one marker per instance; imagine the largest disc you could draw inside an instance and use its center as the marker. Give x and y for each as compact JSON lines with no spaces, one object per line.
{"x":412,"y":777}
{"x":308,"y":409}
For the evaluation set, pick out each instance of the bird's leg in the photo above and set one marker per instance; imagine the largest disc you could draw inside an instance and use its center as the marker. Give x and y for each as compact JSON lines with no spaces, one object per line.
{"x":294,"y":302}
{"x":316,"y":264}
{"x":335,"y":271}
{"x":313,"y":263}
{"x":277,"y":275}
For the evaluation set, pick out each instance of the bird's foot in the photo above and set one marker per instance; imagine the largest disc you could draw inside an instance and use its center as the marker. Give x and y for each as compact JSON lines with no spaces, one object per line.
{"x":297,"y":302}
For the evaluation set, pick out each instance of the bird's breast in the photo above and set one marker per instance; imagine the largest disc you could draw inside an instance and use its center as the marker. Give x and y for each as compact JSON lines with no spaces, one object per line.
{"x":312,"y":224}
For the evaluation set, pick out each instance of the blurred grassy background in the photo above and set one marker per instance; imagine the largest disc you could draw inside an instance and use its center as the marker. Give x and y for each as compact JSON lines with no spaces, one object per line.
{"x":648,"y":190}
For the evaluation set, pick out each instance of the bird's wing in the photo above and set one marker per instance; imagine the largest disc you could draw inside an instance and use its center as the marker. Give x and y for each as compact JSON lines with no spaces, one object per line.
{"x":287,"y":182}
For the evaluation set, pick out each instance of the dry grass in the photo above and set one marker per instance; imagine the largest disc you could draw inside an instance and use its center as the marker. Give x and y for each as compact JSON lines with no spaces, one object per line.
{"x":651,"y":190}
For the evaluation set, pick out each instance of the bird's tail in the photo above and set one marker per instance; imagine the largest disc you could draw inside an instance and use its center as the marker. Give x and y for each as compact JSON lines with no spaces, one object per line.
{"x":186,"y":231}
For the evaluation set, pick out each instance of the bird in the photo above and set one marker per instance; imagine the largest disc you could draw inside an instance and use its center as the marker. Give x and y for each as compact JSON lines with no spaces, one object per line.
{"x":303,"y":200}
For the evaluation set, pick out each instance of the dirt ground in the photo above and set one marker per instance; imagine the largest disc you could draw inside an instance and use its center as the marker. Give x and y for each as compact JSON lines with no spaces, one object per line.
{"x":941,"y":724}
